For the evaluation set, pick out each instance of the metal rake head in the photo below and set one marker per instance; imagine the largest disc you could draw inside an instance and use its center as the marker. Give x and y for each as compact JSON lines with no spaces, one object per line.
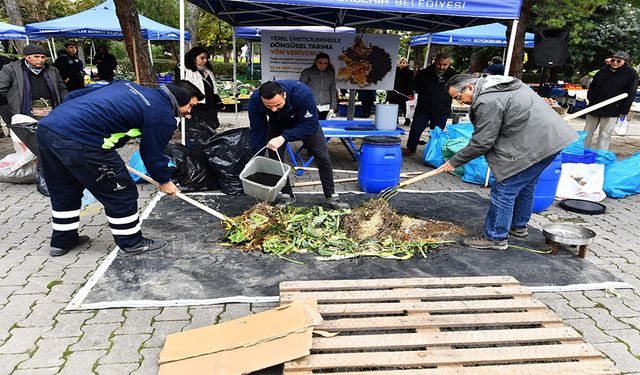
{"x":388,"y":193}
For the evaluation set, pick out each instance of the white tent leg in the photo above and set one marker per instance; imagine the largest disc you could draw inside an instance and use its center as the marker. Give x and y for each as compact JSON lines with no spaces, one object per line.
{"x":235,"y":89}
{"x":150,"y":54}
{"x":26,"y":39}
{"x":426,"y":56}
{"x":53,"y":46}
{"x":50,"y":48}
{"x":92,"y":52}
{"x":504,"y":53}
{"x":408,"y":51}
{"x":512,"y":39}
{"x":183,"y":128}
{"x":251,"y":57}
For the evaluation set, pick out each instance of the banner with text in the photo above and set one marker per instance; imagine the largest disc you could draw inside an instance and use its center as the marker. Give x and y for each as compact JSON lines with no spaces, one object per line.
{"x":362,"y":61}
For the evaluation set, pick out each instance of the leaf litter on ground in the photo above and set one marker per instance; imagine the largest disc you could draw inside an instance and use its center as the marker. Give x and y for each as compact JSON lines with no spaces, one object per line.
{"x":373,"y":229}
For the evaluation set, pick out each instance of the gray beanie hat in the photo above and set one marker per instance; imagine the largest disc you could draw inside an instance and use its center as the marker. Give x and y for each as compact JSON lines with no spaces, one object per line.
{"x":33,"y":49}
{"x":622,"y":55}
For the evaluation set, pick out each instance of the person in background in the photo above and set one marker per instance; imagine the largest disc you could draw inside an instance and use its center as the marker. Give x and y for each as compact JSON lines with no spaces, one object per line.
{"x":70,"y":67}
{"x":495,"y":67}
{"x":78,"y":143}
{"x":367,"y":99}
{"x":519,"y":134}
{"x":245,"y":53}
{"x":612,"y":79}
{"x":200,"y":72}
{"x":402,"y":88}
{"x":285,"y":111}
{"x":106,"y":64}
{"x":321,"y":79}
{"x":434,"y":104}
{"x":30,"y":86}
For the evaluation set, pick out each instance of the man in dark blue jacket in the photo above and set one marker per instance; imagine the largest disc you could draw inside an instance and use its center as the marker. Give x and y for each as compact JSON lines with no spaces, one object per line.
{"x":434,"y":104}
{"x":285,"y":111}
{"x":78,"y":142}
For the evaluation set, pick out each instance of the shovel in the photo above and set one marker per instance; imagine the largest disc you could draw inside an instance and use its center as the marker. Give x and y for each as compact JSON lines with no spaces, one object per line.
{"x":391,"y":191}
{"x":181,"y":196}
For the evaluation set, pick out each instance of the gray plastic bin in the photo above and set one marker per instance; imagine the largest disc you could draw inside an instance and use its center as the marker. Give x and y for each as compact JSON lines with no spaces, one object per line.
{"x":264,"y":165}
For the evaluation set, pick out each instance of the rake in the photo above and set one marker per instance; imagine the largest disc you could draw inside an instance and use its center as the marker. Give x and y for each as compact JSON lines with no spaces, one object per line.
{"x":391,"y":191}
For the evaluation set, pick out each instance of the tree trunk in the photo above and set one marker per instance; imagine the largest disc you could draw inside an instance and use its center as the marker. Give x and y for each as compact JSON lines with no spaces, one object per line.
{"x":136,"y":47}
{"x":476,"y":63}
{"x":517,"y":62}
{"x":192,"y":22}
{"x":13,"y":12}
{"x":418,"y":52}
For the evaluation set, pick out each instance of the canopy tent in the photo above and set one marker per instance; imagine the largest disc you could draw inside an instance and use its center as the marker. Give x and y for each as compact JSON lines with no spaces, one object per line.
{"x":411,"y":15}
{"x":254,"y":32}
{"x":493,"y":35}
{"x":414,"y":15}
{"x":13,"y":32}
{"x":100,"y":22}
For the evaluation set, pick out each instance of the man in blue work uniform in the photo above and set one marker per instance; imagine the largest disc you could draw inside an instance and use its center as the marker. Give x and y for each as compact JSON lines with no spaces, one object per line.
{"x":285,"y":111}
{"x":78,"y":142}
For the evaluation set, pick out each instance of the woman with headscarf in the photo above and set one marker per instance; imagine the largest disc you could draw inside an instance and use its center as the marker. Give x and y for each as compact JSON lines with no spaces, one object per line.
{"x":321,"y":79}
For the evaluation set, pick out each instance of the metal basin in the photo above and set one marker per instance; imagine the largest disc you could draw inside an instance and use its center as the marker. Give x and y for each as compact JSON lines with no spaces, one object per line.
{"x":568,"y":234}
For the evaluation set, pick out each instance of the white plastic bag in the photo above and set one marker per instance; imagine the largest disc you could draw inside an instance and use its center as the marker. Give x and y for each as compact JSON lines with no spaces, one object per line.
{"x":621,"y":126}
{"x":410,"y":107}
{"x":581,"y":181}
{"x":19,"y":167}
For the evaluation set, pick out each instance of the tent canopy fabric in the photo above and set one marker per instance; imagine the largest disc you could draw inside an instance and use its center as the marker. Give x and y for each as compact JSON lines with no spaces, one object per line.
{"x":412,"y":15}
{"x":493,"y":34}
{"x":12,"y":32}
{"x":100,"y":22}
{"x":254,"y":32}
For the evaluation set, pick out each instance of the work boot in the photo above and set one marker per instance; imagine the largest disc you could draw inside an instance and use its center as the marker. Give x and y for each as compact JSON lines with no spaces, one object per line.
{"x":146,"y":245}
{"x":285,"y":200}
{"x":407,"y":122}
{"x":519,"y":232}
{"x":58,"y":251}
{"x":422,"y":142}
{"x":484,"y":243}
{"x":408,"y":152}
{"x":334,"y":203}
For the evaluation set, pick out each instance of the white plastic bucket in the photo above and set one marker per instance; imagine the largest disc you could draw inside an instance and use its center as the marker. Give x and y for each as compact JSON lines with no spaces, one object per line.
{"x":386,"y":116}
{"x":264,"y":165}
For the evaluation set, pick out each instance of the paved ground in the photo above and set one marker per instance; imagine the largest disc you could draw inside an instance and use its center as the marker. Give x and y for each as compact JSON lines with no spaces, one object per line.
{"x":38,"y":338}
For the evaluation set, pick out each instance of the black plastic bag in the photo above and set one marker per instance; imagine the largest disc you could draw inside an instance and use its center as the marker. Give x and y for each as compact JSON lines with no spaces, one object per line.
{"x":200,"y":133}
{"x":26,"y":131}
{"x":41,"y":184}
{"x":227,"y":154}
{"x":191,"y":173}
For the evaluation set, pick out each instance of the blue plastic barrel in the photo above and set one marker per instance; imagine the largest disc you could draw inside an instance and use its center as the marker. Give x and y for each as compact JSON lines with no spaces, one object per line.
{"x":547,"y":185}
{"x":380,"y":163}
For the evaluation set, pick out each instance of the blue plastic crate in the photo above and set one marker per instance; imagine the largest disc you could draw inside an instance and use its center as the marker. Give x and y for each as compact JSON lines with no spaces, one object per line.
{"x":588,"y":158}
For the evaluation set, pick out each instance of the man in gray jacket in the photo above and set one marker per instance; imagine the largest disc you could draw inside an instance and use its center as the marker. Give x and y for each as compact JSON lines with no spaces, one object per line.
{"x":519,"y":135}
{"x":31,"y":83}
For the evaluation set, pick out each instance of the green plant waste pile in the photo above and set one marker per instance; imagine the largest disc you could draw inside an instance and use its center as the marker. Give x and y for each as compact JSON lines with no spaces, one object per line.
{"x":373,"y":229}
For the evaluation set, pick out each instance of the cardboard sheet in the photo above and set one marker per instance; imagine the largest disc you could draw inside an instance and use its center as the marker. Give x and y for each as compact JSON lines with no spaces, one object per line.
{"x":242,"y":345}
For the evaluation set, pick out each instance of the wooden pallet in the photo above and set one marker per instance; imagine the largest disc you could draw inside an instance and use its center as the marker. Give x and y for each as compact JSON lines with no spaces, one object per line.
{"x":459,"y":325}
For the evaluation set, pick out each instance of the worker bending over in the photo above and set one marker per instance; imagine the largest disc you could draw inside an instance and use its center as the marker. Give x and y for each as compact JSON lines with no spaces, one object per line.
{"x":78,"y":142}
{"x":285,"y":111}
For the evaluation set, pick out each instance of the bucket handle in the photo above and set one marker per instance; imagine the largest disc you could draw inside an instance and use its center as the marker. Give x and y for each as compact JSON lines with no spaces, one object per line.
{"x":277,"y":154}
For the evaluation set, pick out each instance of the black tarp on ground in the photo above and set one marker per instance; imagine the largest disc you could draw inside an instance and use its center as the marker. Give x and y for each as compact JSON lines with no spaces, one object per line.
{"x":196,"y":266}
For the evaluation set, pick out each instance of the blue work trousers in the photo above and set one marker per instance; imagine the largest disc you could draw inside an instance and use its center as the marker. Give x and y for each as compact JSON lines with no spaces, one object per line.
{"x":70,"y":167}
{"x":511,"y":201}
